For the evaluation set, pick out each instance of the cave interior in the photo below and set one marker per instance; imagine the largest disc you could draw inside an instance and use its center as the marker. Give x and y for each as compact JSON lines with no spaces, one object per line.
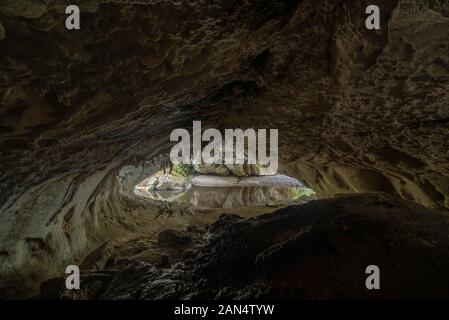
{"x":85,"y":123}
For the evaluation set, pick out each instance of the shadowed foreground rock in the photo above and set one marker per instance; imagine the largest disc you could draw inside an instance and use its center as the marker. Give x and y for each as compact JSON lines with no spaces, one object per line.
{"x":319,"y":250}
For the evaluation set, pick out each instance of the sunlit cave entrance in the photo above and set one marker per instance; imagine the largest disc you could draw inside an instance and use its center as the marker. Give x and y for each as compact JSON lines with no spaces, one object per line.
{"x":222,"y":187}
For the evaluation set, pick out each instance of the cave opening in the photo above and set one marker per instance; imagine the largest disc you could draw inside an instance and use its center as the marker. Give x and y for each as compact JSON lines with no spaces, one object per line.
{"x":221,"y":187}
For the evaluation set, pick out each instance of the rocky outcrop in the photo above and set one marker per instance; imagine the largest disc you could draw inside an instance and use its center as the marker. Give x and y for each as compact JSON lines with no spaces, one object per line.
{"x":164,"y":182}
{"x":319,"y":250}
{"x":237,"y":170}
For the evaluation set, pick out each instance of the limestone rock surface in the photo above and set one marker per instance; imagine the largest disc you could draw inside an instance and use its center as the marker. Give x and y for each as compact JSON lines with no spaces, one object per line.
{"x":83,"y":113}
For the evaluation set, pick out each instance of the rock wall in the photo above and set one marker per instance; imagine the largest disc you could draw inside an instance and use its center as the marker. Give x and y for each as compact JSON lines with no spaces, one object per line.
{"x":356,"y":110}
{"x":317,"y":250}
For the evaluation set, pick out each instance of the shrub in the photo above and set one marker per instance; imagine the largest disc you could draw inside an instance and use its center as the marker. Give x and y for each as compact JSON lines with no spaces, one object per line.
{"x":184,"y":170}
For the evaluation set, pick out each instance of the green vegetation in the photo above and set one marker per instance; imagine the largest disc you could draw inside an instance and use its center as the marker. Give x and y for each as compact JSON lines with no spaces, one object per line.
{"x":184,"y":170}
{"x":297,"y":193}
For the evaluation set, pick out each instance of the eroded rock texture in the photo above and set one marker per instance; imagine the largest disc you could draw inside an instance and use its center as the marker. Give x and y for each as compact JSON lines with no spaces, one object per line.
{"x":314,"y":251}
{"x":81,"y":111}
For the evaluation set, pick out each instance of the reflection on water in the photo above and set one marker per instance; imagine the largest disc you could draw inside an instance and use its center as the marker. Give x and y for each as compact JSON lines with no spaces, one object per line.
{"x":237,"y":197}
{"x":234,"y":197}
